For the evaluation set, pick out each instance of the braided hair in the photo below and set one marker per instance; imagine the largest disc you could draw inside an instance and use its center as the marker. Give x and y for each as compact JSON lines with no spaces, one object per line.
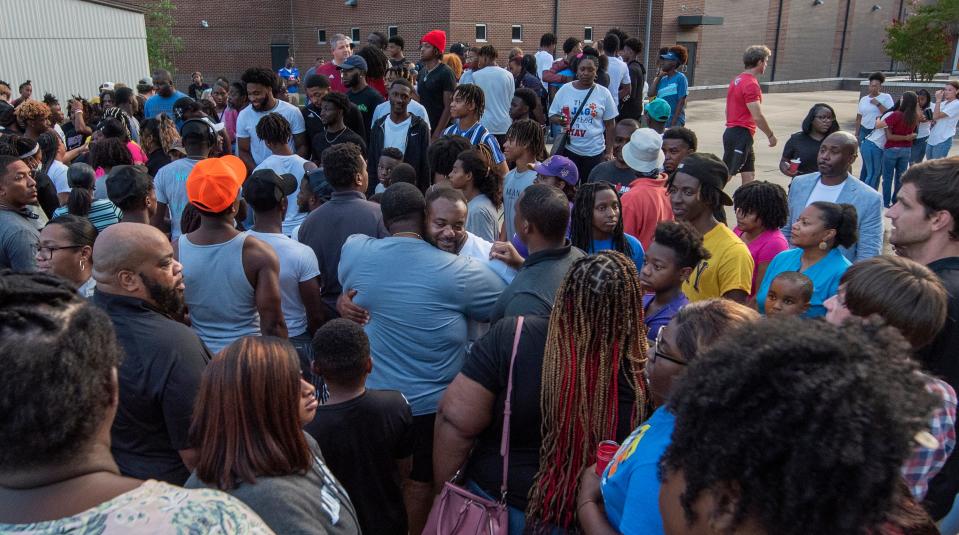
{"x":273,"y":128}
{"x":45,"y":326}
{"x":160,"y":132}
{"x":597,"y":336}
{"x":49,"y":143}
{"x":376,"y":61}
{"x":528,"y":133}
{"x":472,"y":94}
{"x":581,"y":228}
{"x":478,"y":164}
{"x":764,"y":199}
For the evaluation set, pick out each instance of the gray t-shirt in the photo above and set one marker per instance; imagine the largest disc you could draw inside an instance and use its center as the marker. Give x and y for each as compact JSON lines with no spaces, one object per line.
{"x":513,"y":186}
{"x":312,"y":503}
{"x":482,"y":218}
{"x":170,"y":185}
{"x":19,"y":241}
{"x":608,"y":172}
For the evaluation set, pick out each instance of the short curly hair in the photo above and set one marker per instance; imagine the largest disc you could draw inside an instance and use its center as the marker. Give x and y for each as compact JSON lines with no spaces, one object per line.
{"x":685,"y":241}
{"x":811,"y":422}
{"x":44,"y":326}
{"x":32,"y":110}
{"x":261,"y":76}
{"x":341,"y":350}
{"x":764,"y":199}
{"x":341,"y":163}
{"x":274,"y":128}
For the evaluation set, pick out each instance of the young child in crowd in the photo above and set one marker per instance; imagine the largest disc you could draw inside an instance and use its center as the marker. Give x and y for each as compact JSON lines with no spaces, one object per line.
{"x":789,"y":294}
{"x":675,"y":251}
{"x":365,"y":435}
{"x":389,"y":159}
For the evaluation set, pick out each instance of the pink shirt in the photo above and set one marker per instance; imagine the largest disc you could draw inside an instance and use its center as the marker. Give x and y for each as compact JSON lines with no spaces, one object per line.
{"x":763,"y":249}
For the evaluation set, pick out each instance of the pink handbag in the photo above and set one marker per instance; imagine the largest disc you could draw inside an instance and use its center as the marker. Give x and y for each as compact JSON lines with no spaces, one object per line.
{"x":458,"y":511}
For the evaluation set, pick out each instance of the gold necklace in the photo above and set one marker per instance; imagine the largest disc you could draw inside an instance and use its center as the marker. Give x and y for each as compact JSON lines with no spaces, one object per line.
{"x":409,"y":234}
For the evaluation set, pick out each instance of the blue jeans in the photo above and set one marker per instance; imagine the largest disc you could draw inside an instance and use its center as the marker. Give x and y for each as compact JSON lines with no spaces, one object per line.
{"x":517,"y":517}
{"x":863,"y":132}
{"x":941,"y":150}
{"x":918,"y":149}
{"x":895,"y":160}
{"x":871,"y":164}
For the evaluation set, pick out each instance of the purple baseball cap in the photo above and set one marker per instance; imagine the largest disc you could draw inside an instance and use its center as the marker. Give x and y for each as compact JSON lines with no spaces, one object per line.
{"x":560,"y":166}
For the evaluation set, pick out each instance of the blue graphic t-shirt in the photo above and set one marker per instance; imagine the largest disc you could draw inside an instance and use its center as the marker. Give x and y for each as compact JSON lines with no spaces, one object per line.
{"x":630,"y":483}
{"x":672,"y":89}
{"x":596,"y":246}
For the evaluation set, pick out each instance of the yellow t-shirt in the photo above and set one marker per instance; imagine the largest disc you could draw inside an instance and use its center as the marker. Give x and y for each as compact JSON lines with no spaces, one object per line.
{"x":729,"y":268}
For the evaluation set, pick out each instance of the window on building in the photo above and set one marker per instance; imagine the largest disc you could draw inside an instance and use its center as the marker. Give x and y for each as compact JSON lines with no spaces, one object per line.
{"x":321,"y":37}
{"x":481,"y":32}
{"x":392,"y":31}
{"x":517,"y":35}
{"x":355,"y":34}
{"x":588,"y":34}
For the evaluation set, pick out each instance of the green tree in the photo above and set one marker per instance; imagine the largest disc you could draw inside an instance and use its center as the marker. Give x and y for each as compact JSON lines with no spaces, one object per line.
{"x":161,"y":43}
{"x":921,"y":42}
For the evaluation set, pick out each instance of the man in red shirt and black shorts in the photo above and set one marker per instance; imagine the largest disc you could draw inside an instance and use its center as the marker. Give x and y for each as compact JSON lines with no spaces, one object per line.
{"x":744,"y":114}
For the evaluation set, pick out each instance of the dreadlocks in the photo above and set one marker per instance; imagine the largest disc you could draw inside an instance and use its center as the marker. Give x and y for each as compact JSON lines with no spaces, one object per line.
{"x":528,"y":133}
{"x":273,"y":128}
{"x":581,"y":228}
{"x":472,"y":94}
{"x":596,"y":335}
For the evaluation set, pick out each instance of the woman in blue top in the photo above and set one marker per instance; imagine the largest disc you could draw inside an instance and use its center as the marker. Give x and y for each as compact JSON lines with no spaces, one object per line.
{"x":596,"y":223}
{"x":626,"y":498}
{"x":816,"y":235}
{"x":672,"y":85}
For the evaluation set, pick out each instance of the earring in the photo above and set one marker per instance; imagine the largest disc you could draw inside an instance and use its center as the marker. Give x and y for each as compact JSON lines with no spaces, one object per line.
{"x":823,"y":245}
{"x":81,"y":265}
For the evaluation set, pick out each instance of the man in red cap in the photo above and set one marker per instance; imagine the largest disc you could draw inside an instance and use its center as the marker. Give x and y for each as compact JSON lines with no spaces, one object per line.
{"x":232,"y":279}
{"x":435,"y":82}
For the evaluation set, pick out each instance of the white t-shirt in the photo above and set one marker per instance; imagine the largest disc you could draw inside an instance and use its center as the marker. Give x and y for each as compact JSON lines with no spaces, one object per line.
{"x":394,"y":135}
{"x":478,"y":249}
{"x":878,"y":136}
{"x":297,"y":264}
{"x":58,"y":175}
{"x":248,"y":119}
{"x":170,"y":184}
{"x":498,"y":87}
{"x":544,"y":60}
{"x":870,"y":112}
{"x":587,"y":137}
{"x":292,"y":164}
{"x":945,"y":128}
{"x":825,"y":193}
{"x":924,"y":128}
{"x":414,"y":107}
{"x":618,"y":74}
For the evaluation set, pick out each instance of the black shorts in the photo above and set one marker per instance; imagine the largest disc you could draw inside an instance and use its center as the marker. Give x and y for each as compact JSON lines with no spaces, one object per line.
{"x":738,"y":152}
{"x":422,"y":470}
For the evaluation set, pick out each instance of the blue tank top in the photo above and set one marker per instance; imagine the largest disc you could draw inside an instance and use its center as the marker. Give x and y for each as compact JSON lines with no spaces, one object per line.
{"x":220,"y":297}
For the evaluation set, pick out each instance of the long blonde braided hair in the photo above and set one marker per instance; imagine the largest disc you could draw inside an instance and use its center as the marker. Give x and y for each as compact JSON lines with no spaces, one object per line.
{"x":596,"y":332}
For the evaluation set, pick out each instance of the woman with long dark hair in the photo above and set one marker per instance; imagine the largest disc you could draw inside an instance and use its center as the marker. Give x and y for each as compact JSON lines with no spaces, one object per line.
{"x":81,"y":202}
{"x":900,"y":126}
{"x":476,"y":178}
{"x":597,"y":223}
{"x":248,"y":428}
{"x":523,"y":68}
{"x":804,"y":145}
{"x":924,"y":128}
{"x":53,"y":150}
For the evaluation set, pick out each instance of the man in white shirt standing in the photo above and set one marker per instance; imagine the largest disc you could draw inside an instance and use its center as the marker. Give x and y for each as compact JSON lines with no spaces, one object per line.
{"x":498,"y":87}
{"x":261,"y":84}
{"x":544,"y":56}
{"x":275,"y":132}
{"x":619,"y":82}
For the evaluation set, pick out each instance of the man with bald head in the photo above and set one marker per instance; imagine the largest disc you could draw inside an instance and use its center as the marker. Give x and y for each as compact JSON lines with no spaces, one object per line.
{"x":834,"y":182}
{"x":140,"y":286}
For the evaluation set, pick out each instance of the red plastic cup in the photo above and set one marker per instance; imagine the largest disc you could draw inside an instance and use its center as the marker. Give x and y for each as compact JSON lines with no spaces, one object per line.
{"x":794,"y":165}
{"x":604,"y":454}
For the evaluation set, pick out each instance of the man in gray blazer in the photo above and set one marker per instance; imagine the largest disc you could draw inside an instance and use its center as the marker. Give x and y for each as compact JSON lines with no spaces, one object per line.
{"x":834,"y":183}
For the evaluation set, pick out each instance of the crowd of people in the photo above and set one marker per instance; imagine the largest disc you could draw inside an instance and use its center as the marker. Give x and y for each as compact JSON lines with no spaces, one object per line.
{"x":337,"y":303}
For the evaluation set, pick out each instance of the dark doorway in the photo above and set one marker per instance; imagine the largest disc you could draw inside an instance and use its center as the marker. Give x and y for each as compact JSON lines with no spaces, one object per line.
{"x":278,"y":55}
{"x":691,"y":62}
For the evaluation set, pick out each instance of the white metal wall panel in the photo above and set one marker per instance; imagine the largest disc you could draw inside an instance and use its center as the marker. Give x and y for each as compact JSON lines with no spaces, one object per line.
{"x":70,"y":46}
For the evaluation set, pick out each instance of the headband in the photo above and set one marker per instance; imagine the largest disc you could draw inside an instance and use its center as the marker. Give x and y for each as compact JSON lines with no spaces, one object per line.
{"x":30,"y":152}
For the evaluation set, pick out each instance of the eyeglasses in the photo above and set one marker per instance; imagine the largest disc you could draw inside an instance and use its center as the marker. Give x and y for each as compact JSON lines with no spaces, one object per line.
{"x":657,"y":354}
{"x":46,"y":253}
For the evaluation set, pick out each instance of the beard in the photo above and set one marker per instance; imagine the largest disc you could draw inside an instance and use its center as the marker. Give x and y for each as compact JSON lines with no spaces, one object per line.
{"x":167,"y":300}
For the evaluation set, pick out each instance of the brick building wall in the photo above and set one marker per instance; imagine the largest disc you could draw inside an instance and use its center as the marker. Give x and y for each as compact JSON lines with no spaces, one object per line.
{"x":240,"y":33}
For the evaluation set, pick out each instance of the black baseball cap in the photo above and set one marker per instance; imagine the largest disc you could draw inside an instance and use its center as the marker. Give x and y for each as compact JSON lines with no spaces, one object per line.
{"x":265,"y":189}
{"x":709,"y":170}
{"x":319,"y":185}
{"x":128,"y":185}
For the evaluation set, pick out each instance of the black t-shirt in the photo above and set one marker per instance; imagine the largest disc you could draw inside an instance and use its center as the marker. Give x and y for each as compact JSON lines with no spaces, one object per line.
{"x":159,"y":380}
{"x":156,"y":160}
{"x":366,"y":100}
{"x":74,"y":139}
{"x":353,"y":120}
{"x":322,"y":140}
{"x":488,"y":365}
{"x":806,"y":149}
{"x":632,"y":108}
{"x":431,"y":85}
{"x":361,"y":440}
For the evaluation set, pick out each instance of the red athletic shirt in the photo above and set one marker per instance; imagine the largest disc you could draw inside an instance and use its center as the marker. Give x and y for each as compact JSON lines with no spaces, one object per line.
{"x":742,"y":90}
{"x":330,"y":71}
{"x":896,"y":125}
